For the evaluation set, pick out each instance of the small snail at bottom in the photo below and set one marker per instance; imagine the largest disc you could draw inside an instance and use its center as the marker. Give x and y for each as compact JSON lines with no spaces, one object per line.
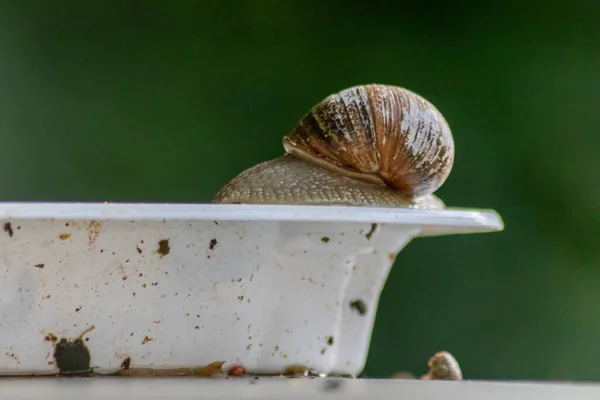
{"x":370,"y":145}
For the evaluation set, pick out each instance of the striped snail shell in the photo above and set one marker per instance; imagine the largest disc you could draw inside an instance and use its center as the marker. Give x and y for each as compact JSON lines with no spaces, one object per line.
{"x":365,"y":145}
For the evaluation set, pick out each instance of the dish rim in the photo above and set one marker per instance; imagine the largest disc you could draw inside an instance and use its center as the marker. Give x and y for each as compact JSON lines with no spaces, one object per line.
{"x":471,"y":219}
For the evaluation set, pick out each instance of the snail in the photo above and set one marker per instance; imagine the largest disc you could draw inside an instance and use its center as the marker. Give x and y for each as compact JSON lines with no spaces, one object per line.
{"x":369,"y":145}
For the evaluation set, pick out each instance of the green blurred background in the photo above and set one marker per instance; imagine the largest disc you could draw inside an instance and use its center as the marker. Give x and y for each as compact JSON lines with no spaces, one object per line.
{"x":165,"y":101}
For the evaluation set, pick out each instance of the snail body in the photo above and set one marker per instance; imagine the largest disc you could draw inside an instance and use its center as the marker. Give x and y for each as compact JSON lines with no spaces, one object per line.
{"x":374,"y":145}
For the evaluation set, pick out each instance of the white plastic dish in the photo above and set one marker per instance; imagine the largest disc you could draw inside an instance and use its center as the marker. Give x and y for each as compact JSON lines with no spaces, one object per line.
{"x":177,"y":286}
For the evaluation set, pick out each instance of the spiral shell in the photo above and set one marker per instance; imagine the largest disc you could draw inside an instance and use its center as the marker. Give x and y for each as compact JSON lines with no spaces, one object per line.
{"x":377,"y":133}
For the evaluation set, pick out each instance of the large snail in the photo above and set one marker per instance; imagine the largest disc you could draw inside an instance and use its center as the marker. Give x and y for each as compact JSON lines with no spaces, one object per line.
{"x":371,"y":145}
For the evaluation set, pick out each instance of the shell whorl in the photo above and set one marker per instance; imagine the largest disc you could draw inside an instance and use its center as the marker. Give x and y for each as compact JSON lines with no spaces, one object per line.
{"x":378,"y":133}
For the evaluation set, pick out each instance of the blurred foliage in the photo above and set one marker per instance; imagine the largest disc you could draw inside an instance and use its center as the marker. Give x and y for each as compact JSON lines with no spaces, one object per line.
{"x":166,"y":101}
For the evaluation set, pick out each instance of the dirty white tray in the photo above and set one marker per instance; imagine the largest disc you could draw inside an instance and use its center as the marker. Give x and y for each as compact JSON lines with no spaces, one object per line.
{"x":94,"y":287}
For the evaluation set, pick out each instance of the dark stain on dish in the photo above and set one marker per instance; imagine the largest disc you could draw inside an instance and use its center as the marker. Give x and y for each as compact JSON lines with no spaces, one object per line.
{"x":163,"y":247}
{"x":332,"y":384}
{"x":138,"y":249}
{"x":359,"y":306}
{"x":371,"y":232}
{"x":39,"y":265}
{"x":330,"y":341}
{"x":126,"y":363}
{"x":212,"y":244}
{"x":73,"y":357}
{"x":325,"y":239}
{"x":8,"y":229}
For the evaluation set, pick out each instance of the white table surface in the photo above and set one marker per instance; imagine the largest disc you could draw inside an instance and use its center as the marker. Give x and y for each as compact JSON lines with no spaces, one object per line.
{"x":115,"y":388}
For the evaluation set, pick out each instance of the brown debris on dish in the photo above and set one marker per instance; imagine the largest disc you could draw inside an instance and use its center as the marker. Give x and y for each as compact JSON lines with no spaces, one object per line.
{"x":237,"y":370}
{"x":296,"y":371}
{"x":50,"y":338}
{"x":94,"y":231}
{"x":212,"y":369}
{"x":208,"y":371}
{"x":8,"y":229}
{"x":147,"y":339}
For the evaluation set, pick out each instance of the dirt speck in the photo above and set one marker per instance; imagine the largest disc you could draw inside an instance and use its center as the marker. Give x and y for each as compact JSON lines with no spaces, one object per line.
{"x":147,"y":339}
{"x":50,"y":338}
{"x":330,"y":341}
{"x":64,"y":236}
{"x":138,"y":249}
{"x":14,"y":357}
{"x":39,"y":265}
{"x":392,"y":257}
{"x":72,"y":356}
{"x":359,"y":306}
{"x":325,"y":239}
{"x":163,"y":247}
{"x":212,"y":244}
{"x":371,"y":231}
{"x":323,"y":350}
{"x":8,"y":229}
